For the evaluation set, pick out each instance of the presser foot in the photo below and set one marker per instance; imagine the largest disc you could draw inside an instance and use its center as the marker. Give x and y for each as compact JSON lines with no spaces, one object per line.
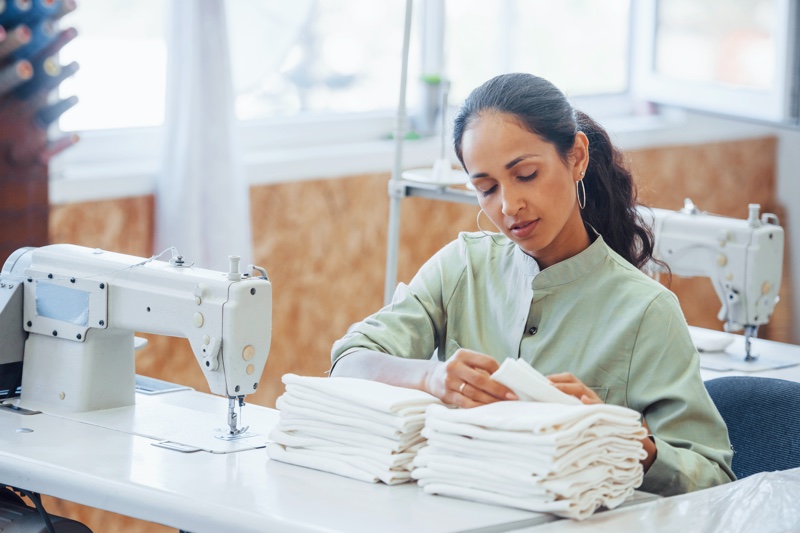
{"x":234,"y":431}
{"x":241,"y":433}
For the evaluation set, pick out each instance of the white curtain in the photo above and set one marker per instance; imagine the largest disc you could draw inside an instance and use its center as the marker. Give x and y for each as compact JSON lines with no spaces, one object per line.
{"x":202,"y":199}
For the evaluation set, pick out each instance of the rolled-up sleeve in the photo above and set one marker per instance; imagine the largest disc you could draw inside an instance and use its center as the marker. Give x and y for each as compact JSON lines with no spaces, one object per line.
{"x":693,"y":449}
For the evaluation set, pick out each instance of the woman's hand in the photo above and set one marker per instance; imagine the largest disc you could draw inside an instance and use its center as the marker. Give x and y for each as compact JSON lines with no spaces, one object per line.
{"x":569,"y":384}
{"x":463,"y":380}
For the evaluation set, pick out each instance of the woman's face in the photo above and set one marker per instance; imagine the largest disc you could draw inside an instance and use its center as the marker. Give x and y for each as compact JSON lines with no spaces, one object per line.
{"x":525,"y":188}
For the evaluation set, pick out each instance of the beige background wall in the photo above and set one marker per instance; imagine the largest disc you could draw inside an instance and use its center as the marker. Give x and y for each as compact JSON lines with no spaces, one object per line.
{"x":323,"y":244}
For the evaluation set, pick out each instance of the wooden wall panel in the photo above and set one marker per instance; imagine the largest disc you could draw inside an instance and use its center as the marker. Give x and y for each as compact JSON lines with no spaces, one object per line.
{"x":123,"y":226}
{"x":322,"y":243}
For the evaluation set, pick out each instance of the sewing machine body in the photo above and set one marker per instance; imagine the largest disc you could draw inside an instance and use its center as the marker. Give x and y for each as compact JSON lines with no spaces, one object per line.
{"x":81,"y":307}
{"x":742,"y":257}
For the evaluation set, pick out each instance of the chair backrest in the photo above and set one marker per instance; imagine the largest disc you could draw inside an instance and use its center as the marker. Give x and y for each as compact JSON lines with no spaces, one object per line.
{"x":763,"y":418}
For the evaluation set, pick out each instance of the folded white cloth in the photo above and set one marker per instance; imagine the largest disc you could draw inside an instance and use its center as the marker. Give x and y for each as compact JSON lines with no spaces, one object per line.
{"x":547,"y":491}
{"x":348,"y":435}
{"x":336,"y":464}
{"x":544,"y":457}
{"x":536,"y":447}
{"x":578,"y":508}
{"x":332,"y":413}
{"x":308,"y":397}
{"x":533,"y":424}
{"x":346,"y":422}
{"x":383,"y":457}
{"x":547,"y":488}
{"x":560,"y":507}
{"x":352,"y":427}
{"x":522,"y":464}
{"x":373,"y":394}
{"x":456,"y":476}
{"x":529,"y":384}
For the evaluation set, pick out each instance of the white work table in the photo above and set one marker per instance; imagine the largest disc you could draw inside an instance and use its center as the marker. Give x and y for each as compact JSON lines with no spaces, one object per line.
{"x":205,"y":492}
{"x":775,"y":352}
{"x":242,"y":491}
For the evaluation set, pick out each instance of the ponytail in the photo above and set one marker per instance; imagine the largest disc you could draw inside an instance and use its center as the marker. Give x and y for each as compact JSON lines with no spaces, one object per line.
{"x":612,"y":198}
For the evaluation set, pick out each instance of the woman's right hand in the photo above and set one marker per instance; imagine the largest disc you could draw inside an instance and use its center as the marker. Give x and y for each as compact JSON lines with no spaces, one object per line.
{"x":464,"y":380}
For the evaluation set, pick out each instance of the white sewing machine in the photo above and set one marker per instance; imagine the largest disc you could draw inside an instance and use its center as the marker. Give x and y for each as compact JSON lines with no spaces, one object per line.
{"x":743,"y":258}
{"x":68,"y":316}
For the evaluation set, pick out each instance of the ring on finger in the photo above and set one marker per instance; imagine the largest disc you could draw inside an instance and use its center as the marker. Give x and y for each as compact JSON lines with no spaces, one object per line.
{"x":461,"y":388}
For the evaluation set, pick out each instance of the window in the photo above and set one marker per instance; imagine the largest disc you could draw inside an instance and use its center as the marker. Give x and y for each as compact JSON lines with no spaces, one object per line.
{"x":735,"y":57}
{"x":121,"y":51}
{"x":579,"y":45}
{"x":286,"y":58}
{"x":340,"y":56}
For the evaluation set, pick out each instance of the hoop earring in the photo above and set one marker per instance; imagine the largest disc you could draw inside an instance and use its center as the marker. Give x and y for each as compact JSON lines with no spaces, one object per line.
{"x":478,"y":223}
{"x":580,"y":190}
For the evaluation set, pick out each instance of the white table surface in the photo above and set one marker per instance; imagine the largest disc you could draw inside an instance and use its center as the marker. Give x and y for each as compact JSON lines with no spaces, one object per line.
{"x":242,"y":491}
{"x":205,"y":492}
{"x":779,"y":352}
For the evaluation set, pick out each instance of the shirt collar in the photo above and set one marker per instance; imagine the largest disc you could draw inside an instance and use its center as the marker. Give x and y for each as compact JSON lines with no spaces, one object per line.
{"x":566,"y":271}
{"x":573,"y":268}
{"x":527,"y":264}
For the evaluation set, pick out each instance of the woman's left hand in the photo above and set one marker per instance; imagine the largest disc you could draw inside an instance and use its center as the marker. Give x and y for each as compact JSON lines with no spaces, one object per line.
{"x":566,"y":382}
{"x":569,"y":384}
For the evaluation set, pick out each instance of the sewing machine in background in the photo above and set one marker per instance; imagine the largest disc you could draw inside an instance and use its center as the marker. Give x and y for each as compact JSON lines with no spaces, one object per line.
{"x":742,"y":257}
{"x":68,"y":316}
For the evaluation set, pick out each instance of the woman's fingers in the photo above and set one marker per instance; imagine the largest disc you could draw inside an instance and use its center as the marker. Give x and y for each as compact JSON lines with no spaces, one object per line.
{"x":569,"y":384}
{"x":477,"y":395}
{"x":468,"y":383}
{"x":564,"y":377}
{"x":474,"y":360}
{"x":590,"y":401}
{"x":469,"y":379}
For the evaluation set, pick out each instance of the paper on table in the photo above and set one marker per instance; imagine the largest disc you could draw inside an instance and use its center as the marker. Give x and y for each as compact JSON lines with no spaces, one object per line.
{"x":711,"y":341}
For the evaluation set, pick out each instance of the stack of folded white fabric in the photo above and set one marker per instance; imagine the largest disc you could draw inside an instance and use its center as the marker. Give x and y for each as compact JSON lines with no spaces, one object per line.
{"x":357,"y":428}
{"x":562,"y":458}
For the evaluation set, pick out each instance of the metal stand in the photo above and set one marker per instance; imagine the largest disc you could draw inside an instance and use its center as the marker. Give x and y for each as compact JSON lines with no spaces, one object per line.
{"x":399,"y":188}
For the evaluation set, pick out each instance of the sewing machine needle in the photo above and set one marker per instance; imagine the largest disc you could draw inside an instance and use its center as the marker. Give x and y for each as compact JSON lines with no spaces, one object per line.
{"x":749,"y":333}
{"x":232,"y":416}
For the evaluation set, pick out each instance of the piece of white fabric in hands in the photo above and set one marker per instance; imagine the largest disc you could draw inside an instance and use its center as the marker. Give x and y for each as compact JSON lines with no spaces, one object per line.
{"x":529,"y":384}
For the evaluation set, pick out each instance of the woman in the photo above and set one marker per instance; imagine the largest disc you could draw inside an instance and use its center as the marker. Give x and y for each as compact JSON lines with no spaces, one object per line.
{"x":560,"y":288}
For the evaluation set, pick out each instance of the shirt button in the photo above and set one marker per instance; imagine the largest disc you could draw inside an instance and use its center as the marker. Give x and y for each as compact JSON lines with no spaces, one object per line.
{"x":532,"y":330}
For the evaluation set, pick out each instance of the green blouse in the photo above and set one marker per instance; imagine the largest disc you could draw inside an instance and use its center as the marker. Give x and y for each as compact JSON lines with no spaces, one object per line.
{"x":595,"y":315}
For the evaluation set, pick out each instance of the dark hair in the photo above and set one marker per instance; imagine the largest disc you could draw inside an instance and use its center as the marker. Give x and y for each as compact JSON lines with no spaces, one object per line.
{"x":544,"y":110}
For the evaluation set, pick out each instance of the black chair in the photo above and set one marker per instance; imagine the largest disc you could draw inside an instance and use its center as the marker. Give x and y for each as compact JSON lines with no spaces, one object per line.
{"x":763,"y":418}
